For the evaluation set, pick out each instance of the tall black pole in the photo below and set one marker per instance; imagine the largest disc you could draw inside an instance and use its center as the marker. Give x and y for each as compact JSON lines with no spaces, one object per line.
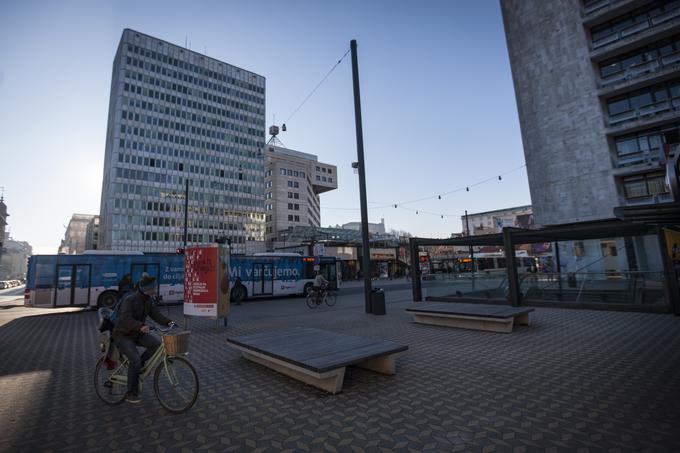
{"x":186,"y":210}
{"x":366,"y":254}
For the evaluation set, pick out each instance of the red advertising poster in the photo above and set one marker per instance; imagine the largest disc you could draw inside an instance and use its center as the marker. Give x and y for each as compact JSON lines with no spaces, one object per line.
{"x":200,"y":280}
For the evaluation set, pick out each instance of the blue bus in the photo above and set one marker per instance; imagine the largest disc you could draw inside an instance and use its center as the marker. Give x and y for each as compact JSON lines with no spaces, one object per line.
{"x":91,"y":278}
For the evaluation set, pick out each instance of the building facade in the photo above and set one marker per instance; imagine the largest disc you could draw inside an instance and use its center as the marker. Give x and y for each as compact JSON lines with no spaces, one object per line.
{"x":3,"y":222}
{"x":492,"y":222}
{"x":178,"y":117}
{"x":14,"y":259}
{"x":373,"y":228}
{"x":597,"y":84}
{"x":75,"y":237}
{"x":92,"y":234}
{"x":293,"y":182}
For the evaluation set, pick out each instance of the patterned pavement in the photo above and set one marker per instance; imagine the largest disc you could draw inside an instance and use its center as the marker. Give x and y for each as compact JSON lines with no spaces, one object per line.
{"x":574,"y":380}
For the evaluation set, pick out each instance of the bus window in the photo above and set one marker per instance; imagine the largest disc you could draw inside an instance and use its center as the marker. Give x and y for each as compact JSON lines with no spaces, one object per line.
{"x":501,"y":263}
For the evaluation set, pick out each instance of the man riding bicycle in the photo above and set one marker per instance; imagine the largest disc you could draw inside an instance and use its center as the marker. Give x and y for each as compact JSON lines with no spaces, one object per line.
{"x":131,"y":331}
{"x":319,"y":286}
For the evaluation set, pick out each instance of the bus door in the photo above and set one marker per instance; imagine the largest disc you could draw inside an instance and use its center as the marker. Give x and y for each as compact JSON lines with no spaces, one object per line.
{"x":263,"y":279}
{"x":153,"y":269}
{"x":73,"y":285}
{"x":329,"y":271}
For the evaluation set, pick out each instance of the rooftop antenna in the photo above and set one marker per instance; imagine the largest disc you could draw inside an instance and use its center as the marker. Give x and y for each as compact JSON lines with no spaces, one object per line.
{"x":274,"y":132}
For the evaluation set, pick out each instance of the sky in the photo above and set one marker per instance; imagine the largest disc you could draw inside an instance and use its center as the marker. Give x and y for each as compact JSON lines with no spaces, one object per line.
{"x":437,"y":100}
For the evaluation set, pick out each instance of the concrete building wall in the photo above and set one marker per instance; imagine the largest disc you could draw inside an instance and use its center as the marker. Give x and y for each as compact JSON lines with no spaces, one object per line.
{"x":563,"y":131}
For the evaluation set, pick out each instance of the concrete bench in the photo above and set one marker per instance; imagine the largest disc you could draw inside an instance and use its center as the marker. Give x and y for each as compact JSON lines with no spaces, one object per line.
{"x":494,"y":318}
{"x":317,"y":357}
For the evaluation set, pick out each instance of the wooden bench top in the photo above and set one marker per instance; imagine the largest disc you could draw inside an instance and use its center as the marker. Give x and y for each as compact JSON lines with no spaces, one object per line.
{"x":477,"y":310}
{"x":316,"y":350}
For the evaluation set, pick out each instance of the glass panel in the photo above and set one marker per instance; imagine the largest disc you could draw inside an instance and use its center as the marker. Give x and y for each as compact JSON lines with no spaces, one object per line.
{"x":620,"y":106}
{"x":609,"y":69}
{"x":635,"y":188}
{"x":661,"y":95}
{"x":666,"y":50}
{"x":643,"y":143}
{"x":632,"y":61}
{"x":627,"y":146}
{"x":657,"y":185}
{"x":641,"y":100}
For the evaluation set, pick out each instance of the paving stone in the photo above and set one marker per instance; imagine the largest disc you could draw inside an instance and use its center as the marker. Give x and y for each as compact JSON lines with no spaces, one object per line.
{"x":574,"y":380}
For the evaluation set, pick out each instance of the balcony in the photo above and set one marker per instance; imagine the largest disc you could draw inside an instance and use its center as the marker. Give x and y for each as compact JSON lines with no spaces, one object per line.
{"x":638,"y":76}
{"x":603,"y":10}
{"x":650,"y":116}
{"x":638,"y":34}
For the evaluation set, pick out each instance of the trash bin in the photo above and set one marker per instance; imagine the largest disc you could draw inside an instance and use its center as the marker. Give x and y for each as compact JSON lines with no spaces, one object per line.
{"x":377,"y":301}
{"x":571,"y":280}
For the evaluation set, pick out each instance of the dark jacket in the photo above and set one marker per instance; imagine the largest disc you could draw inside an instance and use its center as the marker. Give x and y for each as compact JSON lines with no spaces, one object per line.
{"x":132,"y":316}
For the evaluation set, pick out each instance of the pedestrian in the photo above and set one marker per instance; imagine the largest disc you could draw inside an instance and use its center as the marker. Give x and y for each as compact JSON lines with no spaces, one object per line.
{"x":131,"y":331}
{"x":408,"y":274}
{"x":239,"y":291}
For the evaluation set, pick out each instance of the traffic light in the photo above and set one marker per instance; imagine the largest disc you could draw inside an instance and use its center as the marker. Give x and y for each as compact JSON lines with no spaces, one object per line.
{"x":179,"y":251}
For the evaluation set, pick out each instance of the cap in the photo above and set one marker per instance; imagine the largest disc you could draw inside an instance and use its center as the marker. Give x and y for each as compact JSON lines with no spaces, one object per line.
{"x":147,"y":282}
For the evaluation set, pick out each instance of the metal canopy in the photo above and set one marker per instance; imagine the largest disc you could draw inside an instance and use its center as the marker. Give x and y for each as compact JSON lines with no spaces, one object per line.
{"x":658,"y":214}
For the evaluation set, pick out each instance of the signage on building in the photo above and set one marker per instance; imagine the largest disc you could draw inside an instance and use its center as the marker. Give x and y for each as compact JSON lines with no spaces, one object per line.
{"x":206,"y":281}
{"x":386,"y":254}
{"x":319,"y":249}
{"x":342,"y":253}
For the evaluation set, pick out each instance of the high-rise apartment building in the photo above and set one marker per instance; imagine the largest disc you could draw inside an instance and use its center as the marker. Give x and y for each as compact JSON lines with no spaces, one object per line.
{"x":293,"y":182}
{"x":175,"y":116}
{"x":597,"y":84}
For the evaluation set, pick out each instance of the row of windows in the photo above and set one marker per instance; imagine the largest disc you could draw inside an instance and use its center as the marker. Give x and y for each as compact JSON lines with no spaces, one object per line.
{"x":294,"y":184}
{"x":180,"y":88}
{"x":647,"y":140}
{"x":164,"y":178}
{"x":180,"y":166}
{"x":202,"y":156}
{"x":644,"y":97}
{"x":294,"y":195}
{"x":645,"y":185}
{"x":161,"y":58}
{"x":324,"y":170}
{"x":179,"y":100}
{"x":293,"y":206}
{"x":196,"y":238}
{"x":324,"y":179}
{"x":136,"y":189}
{"x":289,"y":172}
{"x":198,"y":94}
{"x":640,"y":56}
{"x":637,"y":17}
{"x":182,"y":140}
{"x":140,"y":205}
{"x":177,"y":113}
{"x":171,"y":222}
{"x":185,"y":127}
{"x":292,"y":218}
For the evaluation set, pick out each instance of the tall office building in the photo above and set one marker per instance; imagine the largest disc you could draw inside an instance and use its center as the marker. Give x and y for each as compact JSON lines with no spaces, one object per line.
{"x":293,"y":182}
{"x":597,"y":84}
{"x":176,"y":116}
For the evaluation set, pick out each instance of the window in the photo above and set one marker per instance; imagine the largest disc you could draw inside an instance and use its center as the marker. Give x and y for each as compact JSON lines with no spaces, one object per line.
{"x":283,"y":171}
{"x":297,"y":218}
{"x":645,"y":185}
{"x":290,"y":218}
{"x":290,"y":206}
{"x":290,"y":194}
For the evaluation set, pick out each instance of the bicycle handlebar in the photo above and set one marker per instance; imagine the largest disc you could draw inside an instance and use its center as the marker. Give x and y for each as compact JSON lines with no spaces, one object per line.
{"x":172,"y":325}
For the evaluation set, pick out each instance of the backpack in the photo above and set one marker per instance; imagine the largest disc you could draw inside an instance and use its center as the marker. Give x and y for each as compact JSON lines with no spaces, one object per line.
{"x":113,"y":317}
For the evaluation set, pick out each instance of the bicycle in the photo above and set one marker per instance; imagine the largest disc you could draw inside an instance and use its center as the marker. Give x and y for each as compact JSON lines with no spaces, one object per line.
{"x":175,"y":380}
{"x":314,"y":300}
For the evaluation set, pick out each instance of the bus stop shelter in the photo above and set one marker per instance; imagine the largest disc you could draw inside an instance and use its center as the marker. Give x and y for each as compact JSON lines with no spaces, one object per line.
{"x":511,"y":237}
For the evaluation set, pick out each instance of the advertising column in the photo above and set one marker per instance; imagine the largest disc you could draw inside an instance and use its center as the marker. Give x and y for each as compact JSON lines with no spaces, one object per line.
{"x":206,"y":281}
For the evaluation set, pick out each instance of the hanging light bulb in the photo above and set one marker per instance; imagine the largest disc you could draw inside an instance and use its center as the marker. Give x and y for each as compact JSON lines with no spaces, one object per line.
{"x":499,"y":177}
{"x":439,"y":196}
{"x":416,"y":212}
{"x":467,"y":189}
{"x":395,"y":206}
{"x":442,"y":216}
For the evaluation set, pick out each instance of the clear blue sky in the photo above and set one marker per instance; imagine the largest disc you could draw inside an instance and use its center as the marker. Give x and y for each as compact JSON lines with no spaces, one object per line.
{"x":437,"y":97}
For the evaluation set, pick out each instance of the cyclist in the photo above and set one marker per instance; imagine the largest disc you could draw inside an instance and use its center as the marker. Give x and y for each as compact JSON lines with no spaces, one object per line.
{"x":319,"y":285}
{"x":131,"y":331}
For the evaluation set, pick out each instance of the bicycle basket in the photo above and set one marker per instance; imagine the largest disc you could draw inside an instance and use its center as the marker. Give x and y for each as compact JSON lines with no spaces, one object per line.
{"x":177,"y":343}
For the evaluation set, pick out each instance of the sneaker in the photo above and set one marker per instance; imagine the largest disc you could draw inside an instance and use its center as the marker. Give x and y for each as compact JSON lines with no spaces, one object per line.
{"x":132,"y":398}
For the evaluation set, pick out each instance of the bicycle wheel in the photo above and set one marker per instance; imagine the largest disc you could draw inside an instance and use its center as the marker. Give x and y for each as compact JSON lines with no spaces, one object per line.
{"x":311,"y":299}
{"x":108,"y":391}
{"x":330,"y":298}
{"x":176,"y":385}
